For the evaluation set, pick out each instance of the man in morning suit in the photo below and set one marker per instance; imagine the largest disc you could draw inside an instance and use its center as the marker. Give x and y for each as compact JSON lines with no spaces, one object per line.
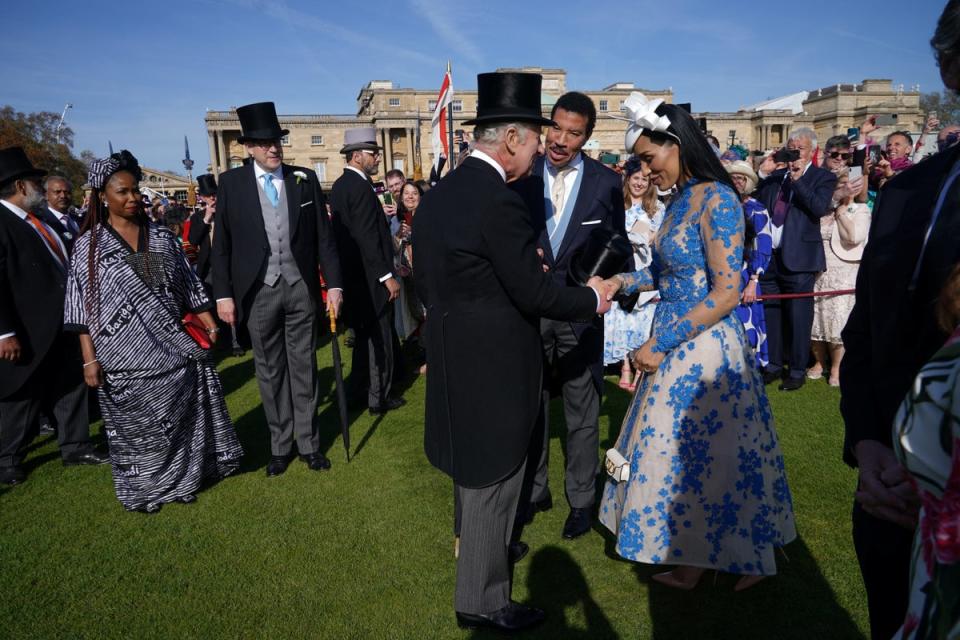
{"x":891,"y":333}
{"x":479,"y":275}
{"x":56,"y":213}
{"x":272,"y":234}
{"x":40,"y":366}
{"x":366,"y":252}
{"x":796,"y":197}
{"x":576,"y":195}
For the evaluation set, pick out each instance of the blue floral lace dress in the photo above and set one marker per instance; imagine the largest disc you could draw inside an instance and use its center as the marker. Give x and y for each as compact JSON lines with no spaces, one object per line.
{"x":707,"y":486}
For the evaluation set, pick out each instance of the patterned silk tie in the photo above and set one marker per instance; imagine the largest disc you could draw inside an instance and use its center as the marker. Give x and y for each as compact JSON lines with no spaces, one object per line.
{"x":781,"y":206}
{"x":270,"y":189}
{"x":49,"y":239}
{"x":559,"y":191}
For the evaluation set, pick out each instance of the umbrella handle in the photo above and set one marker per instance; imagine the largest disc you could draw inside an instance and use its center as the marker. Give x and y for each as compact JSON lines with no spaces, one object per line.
{"x":333,"y":321}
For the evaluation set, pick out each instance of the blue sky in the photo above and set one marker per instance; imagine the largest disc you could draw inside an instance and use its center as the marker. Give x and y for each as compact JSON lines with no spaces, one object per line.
{"x":143,"y":80}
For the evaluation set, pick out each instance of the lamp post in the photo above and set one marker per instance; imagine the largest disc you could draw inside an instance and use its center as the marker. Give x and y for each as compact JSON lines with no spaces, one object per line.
{"x":63,"y":116}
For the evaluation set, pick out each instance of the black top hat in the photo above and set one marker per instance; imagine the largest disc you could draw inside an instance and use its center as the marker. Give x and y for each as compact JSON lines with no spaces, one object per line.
{"x":207,"y":185}
{"x":14,"y":164}
{"x":258,"y":121}
{"x":605,"y":254}
{"x":508,"y":97}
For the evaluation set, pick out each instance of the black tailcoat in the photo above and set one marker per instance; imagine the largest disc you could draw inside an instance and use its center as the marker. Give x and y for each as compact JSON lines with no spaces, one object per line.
{"x":892,"y":331}
{"x":32,"y":292}
{"x":366,"y":247}
{"x":477,"y":271}
{"x":240,"y":247}
{"x":199,"y":237}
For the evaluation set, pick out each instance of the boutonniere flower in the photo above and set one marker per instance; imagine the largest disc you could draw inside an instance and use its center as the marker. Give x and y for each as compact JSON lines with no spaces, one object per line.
{"x":299,"y":175}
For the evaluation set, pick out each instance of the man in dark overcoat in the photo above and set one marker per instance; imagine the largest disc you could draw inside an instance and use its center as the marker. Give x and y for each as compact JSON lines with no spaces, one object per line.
{"x":479,"y":275}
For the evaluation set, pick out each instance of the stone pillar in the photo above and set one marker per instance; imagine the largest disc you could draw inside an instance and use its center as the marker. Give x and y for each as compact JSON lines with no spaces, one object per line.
{"x":766,"y":135}
{"x":222,"y":152}
{"x":384,"y":157}
{"x":388,"y":149}
{"x":212,"y":150}
{"x":410,"y":162}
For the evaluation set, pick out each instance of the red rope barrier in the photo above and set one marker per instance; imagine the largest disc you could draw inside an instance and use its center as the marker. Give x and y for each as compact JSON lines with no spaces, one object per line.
{"x":812,"y":294}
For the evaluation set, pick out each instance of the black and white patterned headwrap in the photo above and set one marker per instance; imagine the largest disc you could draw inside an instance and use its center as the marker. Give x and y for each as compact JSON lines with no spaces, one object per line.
{"x":101,"y":170}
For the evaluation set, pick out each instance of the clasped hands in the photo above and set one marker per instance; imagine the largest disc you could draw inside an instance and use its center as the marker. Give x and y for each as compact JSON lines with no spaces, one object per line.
{"x":606,"y":290}
{"x":885,"y":490}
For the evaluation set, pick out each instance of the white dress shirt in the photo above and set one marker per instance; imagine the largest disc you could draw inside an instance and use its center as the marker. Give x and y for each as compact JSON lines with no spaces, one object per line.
{"x":276,"y":176}
{"x":569,"y":179}
{"x":20,"y":213}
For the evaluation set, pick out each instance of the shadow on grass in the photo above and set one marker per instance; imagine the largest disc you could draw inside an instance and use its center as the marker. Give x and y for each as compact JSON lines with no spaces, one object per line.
{"x":796,"y":603}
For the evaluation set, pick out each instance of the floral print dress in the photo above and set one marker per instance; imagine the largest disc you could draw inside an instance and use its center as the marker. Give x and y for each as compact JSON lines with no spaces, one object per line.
{"x":707,"y":486}
{"x":926,"y":439}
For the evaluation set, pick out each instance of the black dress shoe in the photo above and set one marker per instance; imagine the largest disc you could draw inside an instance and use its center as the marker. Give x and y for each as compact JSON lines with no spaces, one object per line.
{"x":46,"y":429}
{"x":278,"y":464}
{"x":578,"y":523}
{"x":536,"y":506}
{"x":387,"y":405}
{"x":12,"y":475}
{"x":513,"y":617}
{"x":316,"y":461}
{"x":791,"y":384}
{"x":517,"y":551}
{"x":87,"y":457}
{"x":237,"y":352}
{"x":150,"y":509}
{"x":769,"y":377}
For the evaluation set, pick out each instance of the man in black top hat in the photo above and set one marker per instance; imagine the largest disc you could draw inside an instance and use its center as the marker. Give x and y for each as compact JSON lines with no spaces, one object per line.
{"x":478,"y":273}
{"x":40,"y":366}
{"x":272,"y":233}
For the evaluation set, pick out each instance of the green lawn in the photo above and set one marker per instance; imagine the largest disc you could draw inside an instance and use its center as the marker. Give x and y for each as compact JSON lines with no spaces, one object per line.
{"x":366,"y":549}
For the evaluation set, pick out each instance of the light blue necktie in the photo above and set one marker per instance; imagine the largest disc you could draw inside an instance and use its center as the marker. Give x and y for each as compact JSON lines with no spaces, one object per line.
{"x":270,"y":189}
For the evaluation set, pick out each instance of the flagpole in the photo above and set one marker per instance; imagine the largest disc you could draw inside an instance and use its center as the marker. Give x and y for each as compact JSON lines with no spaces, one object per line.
{"x":451,"y":161}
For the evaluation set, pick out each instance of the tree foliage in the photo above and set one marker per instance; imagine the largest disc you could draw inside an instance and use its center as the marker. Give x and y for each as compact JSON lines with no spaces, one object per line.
{"x":37,"y":134}
{"x":946,"y":104}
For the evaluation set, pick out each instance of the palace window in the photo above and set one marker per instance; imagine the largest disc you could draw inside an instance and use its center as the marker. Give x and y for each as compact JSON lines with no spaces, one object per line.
{"x":457,"y":105}
{"x":320,"y":166}
{"x":394,"y":102}
{"x":431,"y":106}
{"x":316,"y":141}
{"x":285,"y":140}
{"x":603,"y":105}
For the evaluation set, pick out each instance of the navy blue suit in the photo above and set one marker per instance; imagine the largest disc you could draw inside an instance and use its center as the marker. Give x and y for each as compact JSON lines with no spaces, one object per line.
{"x":575,"y":348}
{"x":795,"y":264}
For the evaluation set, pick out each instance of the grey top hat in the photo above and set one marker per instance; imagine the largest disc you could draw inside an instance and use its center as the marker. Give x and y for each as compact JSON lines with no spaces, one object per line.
{"x":362,"y":138}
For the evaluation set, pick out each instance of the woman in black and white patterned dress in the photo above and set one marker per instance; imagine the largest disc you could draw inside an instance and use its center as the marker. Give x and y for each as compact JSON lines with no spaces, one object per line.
{"x":128,"y":289}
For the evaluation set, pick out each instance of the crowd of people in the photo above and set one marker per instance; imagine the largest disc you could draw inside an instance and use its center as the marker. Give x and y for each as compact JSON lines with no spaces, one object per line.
{"x":701,"y":276}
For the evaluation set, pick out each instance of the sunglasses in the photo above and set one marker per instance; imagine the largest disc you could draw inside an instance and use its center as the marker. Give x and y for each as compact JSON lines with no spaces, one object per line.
{"x":838,"y":154}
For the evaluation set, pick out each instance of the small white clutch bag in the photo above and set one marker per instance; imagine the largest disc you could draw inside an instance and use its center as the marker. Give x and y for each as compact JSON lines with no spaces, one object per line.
{"x":617,"y":466}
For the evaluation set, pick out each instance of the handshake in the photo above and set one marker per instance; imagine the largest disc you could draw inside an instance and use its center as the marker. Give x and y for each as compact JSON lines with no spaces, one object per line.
{"x":606,"y":290}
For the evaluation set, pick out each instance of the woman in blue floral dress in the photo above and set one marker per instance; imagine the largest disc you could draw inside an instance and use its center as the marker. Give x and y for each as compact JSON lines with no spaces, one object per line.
{"x":707,"y":486}
{"x":750,"y":310}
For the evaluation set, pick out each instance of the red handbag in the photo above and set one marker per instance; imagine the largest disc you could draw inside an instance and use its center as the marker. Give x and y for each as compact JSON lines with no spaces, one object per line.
{"x":196,"y":330}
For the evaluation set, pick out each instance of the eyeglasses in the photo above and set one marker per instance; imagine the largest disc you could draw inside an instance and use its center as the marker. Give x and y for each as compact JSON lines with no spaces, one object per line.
{"x":375,"y":154}
{"x":838,"y":154}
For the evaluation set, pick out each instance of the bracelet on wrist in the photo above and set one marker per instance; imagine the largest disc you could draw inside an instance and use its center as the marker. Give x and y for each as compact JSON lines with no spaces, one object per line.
{"x":212,"y":330}
{"x":87,"y":364}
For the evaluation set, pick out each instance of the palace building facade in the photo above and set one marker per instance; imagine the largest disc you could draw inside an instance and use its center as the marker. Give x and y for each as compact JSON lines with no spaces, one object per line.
{"x":403,"y":120}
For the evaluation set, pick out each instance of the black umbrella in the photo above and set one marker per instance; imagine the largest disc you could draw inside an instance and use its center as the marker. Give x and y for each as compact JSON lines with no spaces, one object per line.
{"x":341,"y":391}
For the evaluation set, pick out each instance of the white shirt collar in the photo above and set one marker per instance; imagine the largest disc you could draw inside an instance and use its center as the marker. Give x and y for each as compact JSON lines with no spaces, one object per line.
{"x":480,"y":155}
{"x":60,"y":216}
{"x":353,"y":168}
{"x":575,"y":163}
{"x":276,"y":174}
{"x":17,"y":210}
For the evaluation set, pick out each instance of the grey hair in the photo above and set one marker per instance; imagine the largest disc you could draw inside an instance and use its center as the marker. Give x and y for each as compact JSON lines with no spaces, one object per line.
{"x":946,"y":38}
{"x":485,"y":135}
{"x":804,"y":132}
{"x":55,"y":178}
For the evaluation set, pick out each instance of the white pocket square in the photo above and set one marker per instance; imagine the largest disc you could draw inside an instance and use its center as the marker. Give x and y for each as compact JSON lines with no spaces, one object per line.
{"x":305,"y":204}
{"x":592,"y":222}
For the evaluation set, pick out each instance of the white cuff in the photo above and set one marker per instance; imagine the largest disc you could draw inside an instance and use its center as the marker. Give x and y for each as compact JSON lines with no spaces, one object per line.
{"x":7,"y":335}
{"x":385,"y":278}
{"x":222,"y":299}
{"x":596,"y":293}
{"x":340,"y":289}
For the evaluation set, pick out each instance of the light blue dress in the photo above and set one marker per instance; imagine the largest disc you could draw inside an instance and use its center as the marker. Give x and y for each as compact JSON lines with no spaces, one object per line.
{"x":622,"y":331}
{"x":707,"y":486}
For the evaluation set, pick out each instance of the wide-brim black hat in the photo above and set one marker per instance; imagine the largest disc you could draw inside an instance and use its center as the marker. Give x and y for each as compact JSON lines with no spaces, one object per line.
{"x":207,"y":185}
{"x":258,"y":121}
{"x":15,"y":164}
{"x":605,"y":254}
{"x":509,"y":97}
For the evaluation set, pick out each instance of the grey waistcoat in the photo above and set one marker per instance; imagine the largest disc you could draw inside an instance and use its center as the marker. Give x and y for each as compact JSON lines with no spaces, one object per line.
{"x":276,"y":221}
